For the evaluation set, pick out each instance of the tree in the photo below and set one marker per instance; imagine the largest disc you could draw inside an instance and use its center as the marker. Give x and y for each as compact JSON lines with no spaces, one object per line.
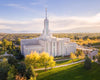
{"x":98,"y":57}
{"x":78,"y":52}
{"x":87,"y":63}
{"x":30,"y":74}
{"x":21,"y":69}
{"x":46,"y":60}
{"x":82,"y":55}
{"x":32,"y":59}
{"x":18,"y":77}
{"x":0,"y":42}
{"x":18,"y":41}
{"x":32,"y":78}
{"x":94,"y":58}
{"x":4,"y":67}
{"x":51,"y":61}
{"x":72,"y":56}
{"x":12,"y":60}
{"x":5,"y":44}
{"x":79,"y":57}
{"x":11,"y":73}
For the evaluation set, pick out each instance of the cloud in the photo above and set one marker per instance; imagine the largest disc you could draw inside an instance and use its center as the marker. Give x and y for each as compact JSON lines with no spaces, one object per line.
{"x":40,"y":2}
{"x":56,"y":24}
{"x":19,"y":6}
{"x":36,"y":3}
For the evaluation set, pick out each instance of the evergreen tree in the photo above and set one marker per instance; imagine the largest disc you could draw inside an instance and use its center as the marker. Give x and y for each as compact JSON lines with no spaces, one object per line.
{"x":94,"y":58}
{"x":87,"y":63}
{"x":30,"y":74}
{"x":98,"y":57}
{"x":21,"y":69}
{"x":12,"y":60}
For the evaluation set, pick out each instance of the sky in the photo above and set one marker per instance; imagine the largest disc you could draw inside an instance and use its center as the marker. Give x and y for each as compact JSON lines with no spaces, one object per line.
{"x":27,"y":16}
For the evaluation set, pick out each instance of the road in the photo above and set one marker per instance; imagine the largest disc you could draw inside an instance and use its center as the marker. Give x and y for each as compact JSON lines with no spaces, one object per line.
{"x":60,"y":65}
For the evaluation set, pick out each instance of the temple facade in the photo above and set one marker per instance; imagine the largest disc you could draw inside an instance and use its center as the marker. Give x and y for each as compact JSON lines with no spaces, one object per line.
{"x":46,"y":42}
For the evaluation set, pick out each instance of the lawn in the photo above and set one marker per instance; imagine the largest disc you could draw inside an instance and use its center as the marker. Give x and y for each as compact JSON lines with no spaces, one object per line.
{"x":62,"y":62}
{"x":66,"y":62}
{"x":58,"y":58}
{"x":71,"y":72}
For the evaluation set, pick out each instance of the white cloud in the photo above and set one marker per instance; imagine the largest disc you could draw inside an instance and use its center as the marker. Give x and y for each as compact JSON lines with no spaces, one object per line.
{"x":40,"y":2}
{"x":20,"y":6}
{"x":4,"y":27}
{"x":59,"y":24}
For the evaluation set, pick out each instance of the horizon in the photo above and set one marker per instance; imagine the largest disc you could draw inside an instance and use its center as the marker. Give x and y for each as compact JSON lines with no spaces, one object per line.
{"x":71,"y":17}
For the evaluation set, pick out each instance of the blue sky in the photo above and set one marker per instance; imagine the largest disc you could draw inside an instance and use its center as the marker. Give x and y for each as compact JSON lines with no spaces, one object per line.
{"x":29,"y":14}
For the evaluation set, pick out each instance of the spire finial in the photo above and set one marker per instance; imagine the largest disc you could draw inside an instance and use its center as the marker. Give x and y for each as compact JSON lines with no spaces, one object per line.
{"x":46,"y":12}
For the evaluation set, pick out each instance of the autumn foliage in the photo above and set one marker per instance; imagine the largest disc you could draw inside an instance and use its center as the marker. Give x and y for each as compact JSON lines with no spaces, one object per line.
{"x":42,"y":59}
{"x":72,"y":56}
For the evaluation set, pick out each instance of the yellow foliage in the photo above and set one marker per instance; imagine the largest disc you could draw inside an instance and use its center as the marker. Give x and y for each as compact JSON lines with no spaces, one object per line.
{"x":0,"y":42}
{"x":32,"y":58}
{"x":51,"y":61}
{"x":79,"y":57}
{"x":32,"y":78}
{"x":4,"y":59}
{"x":47,"y":60}
{"x":82,"y":56}
{"x":18,"y":77}
{"x":43,"y":59}
{"x":81,"y":41}
{"x":72,"y":56}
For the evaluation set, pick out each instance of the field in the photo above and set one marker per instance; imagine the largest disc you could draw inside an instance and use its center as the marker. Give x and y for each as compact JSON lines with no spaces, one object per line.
{"x":72,"y":72}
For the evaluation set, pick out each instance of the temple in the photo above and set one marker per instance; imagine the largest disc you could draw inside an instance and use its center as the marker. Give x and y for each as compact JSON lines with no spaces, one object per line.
{"x":46,"y":42}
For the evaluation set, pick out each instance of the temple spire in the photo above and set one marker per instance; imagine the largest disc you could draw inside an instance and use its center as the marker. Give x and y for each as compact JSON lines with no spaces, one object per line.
{"x":46,"y":13}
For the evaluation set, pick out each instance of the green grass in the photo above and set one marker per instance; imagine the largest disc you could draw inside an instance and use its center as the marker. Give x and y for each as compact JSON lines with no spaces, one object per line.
{"x":62,"y":62}
{"x":58,"y":58}
{"x":71,"y":72}
{"x":66,"y":62}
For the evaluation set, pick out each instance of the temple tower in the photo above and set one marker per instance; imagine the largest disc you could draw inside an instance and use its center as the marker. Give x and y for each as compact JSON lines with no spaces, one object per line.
{"x":46,"y":25}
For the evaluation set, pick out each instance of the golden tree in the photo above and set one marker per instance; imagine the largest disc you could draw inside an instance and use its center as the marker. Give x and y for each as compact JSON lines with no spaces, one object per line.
{"x":79,"y":57}
{"x":46,"y":60}
{"x":82,"y":55}
{"x":51,"y":61}
{"x":32,"y":59}
{"x":72,"y":56}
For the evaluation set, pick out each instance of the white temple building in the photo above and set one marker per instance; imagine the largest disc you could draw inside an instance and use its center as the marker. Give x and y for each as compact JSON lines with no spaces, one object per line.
{"x":46,"y":42}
